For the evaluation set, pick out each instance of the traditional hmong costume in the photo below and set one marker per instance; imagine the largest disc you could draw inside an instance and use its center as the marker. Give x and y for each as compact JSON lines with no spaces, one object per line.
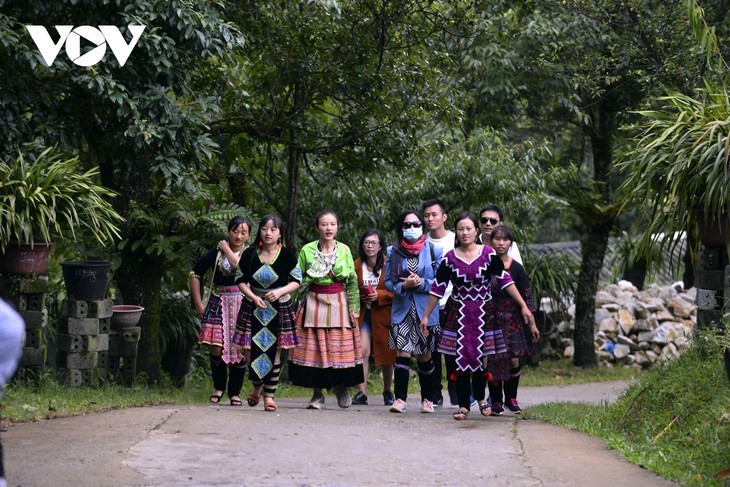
{"x":329,"y":351}
{"x":264,"y":330}
{"x":517,"y":335}
{"x":469,"y":332}
{"x":219,"y":321}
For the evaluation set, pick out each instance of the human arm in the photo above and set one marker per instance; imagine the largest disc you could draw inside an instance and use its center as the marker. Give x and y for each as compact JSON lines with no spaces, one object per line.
{"x":513,"y":293}
{"x":433,"y":301}
{"x":196,"y":294}
{"x":232,"y":257}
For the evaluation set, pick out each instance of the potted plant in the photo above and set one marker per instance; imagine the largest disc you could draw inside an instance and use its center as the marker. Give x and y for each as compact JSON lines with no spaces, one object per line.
{"x":47,"y":197}
{"x":680,"y":168}
{"x":179,"y":328}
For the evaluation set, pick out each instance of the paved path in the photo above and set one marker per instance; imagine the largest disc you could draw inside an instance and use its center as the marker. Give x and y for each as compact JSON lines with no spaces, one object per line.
{"x":360,"y":446}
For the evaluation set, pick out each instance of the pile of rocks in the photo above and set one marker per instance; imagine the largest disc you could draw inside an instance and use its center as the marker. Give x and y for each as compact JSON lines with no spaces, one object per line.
{"x":637,"y":328}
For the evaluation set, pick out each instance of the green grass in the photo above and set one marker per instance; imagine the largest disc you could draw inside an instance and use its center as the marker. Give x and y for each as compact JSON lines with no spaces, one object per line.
{"x":673,"y":420}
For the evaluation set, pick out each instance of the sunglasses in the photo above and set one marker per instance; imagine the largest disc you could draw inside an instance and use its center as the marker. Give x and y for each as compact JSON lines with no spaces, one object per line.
{"x":486,"y":220}
{"x":407,"y":225}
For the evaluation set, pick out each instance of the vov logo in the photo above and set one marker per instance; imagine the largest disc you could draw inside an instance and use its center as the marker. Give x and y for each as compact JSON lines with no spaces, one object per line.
{"x":101,"y":37}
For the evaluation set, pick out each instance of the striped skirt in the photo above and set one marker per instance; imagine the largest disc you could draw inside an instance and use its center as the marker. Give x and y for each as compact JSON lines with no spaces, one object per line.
{"x":219,"y":322}
{"x":326,"y":355}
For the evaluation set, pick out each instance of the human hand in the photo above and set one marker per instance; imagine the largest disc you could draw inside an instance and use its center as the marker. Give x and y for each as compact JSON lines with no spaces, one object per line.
{"x":272,"y":296}
{"x":371,"y":297}
{"x":535,"y":333}
{"x":413,"y":280}
{"x":527,"y":316}
{"x":354,"y":318}
{"x":223,"y":245}
{"x":200,"y":310}
{"x":424,"y":326}
{"x":259,"y":301}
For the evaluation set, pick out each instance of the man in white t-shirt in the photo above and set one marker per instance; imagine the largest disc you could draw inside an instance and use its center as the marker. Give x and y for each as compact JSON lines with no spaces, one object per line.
{"x":434,"y":216}
{"x":492,"y":216}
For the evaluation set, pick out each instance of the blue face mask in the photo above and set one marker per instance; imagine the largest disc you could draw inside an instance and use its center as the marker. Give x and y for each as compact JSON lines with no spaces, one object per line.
{"x":412,"y":233}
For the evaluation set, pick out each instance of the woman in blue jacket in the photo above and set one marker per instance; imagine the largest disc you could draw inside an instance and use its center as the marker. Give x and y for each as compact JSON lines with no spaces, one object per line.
{"x":409,"y":271}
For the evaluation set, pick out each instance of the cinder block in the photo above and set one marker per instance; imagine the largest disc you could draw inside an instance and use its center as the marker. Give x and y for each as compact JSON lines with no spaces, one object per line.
{"x":78,"y":377}
{"x":708,"y":318}
{"x":34,"y":319}
{"x":81,"y":343}
{"x":33,"y":357}
{"x":122,"y":348}
{"x":34,"y":338}
{"x":105,"y":325}
{"x":104,"y":359}
{"x":713,"y":280}
{"x":78,"y":326}
{"x":710,"y":260}
{"x":707,"y":299}
{"x":74,"y":309}
{"x":81,"y":360}
{"x":33,"y":285}
{"x":35,"y":302}
{"x":100,"y":309}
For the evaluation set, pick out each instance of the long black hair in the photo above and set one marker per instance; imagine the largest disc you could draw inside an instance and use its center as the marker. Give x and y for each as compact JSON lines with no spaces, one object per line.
{"x":506,"y":232}
{"x":276,"y":220}
{"x":380,"y":258}
{"x":401,"y":219}
{"x":239,"y":220}
{"x":467,"y":215}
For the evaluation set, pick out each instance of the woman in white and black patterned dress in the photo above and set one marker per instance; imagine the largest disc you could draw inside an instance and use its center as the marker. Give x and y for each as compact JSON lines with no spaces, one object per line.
{"x":409,"y":271}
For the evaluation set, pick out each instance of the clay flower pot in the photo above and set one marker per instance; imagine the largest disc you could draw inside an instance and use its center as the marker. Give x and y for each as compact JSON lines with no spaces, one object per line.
{"x":125,"y":316}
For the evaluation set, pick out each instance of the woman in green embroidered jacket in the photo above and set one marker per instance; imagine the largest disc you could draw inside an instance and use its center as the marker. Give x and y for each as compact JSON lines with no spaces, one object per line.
{"x":329,"y":353}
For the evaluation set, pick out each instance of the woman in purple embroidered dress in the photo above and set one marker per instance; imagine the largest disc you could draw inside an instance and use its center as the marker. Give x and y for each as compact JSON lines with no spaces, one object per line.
{"x":469,"y":335}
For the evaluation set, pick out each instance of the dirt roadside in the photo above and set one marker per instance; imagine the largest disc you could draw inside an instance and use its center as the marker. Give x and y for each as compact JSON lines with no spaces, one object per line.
{"x":359,"y":446}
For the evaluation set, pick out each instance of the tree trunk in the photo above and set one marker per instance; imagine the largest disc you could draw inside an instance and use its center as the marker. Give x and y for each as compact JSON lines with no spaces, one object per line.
{"x":292,"y":198}
{"x":140,"y":282}
{"x":597,"y":228}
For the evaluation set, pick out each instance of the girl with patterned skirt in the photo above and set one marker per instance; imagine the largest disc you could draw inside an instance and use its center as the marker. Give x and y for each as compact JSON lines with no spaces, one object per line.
{"x":329,"y":353}
{"x":219,"y":314}
{"x":267,"y":322}
{"x":470,"y":335}
{"x":520,"y":337}
{"x":410,"y":270}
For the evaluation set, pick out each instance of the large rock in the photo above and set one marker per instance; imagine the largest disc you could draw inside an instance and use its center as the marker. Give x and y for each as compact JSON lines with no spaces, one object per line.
{"x":620,"y":351}
{"x":679,"y":307}
{"x":625,"y":321}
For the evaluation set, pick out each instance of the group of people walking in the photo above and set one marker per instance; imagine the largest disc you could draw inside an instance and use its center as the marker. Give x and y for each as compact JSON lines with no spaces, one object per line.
{"x":430,"y":294}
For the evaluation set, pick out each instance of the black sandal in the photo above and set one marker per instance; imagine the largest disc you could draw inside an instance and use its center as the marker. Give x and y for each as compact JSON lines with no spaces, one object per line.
{"x":485,"y":409}
{"x":215,"y":398}
{"x":236,"y":402}
{"x":461,"y":414}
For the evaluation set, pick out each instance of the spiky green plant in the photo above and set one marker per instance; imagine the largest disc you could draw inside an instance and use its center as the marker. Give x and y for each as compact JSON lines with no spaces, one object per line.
{"x":47,"y":197}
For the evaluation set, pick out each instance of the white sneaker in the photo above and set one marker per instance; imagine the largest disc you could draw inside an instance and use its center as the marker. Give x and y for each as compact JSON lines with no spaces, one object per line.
{"x":317,"y":401}
{"x":426,"y":406}
{"x":399,"y":406}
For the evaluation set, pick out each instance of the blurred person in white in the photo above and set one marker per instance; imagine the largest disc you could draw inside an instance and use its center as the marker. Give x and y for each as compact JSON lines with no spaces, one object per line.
{"x":12,"y":335}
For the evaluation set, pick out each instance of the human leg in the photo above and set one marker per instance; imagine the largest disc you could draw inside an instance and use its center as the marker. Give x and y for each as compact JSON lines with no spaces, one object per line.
{"x":219,"y":372}
{"x":510,"y":387}
{"x":425,"y":380}
{"x":401,"y":376}
{"x":365,"y":341}
{"x":388,"y":397}
{"x":235,"y":382}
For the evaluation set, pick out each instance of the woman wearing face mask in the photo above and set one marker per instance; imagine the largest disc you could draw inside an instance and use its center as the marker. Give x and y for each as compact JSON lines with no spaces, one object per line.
{"x":329,"y":354}
{"x":409,"y":271}
{"x":470,"y":335}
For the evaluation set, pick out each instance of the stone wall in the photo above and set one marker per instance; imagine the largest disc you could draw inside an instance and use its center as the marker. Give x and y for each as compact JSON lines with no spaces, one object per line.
{"x":636,"y":328}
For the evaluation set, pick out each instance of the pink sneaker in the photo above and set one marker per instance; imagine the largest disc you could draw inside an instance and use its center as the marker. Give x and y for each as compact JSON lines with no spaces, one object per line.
{"x":399,"y":406}
{"x":426,"y":406}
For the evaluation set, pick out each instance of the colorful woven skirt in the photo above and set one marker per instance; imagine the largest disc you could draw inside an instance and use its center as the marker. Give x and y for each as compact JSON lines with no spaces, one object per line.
{"x":263,"y":331}
{"x":219,"y":322}
{"x":469,"y":333}
{"x":326,"y":356}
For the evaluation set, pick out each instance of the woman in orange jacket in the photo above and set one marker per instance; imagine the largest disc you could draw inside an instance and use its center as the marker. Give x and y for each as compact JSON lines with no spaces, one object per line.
{"x":375,"y":304}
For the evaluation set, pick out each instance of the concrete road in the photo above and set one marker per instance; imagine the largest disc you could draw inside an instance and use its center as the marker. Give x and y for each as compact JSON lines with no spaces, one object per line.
{"x":360,"y":446}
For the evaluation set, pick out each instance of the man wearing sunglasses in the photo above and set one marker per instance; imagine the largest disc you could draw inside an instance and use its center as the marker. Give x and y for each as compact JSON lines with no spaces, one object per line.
{"x":434,"y":216}
{"x":490,"y":217}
